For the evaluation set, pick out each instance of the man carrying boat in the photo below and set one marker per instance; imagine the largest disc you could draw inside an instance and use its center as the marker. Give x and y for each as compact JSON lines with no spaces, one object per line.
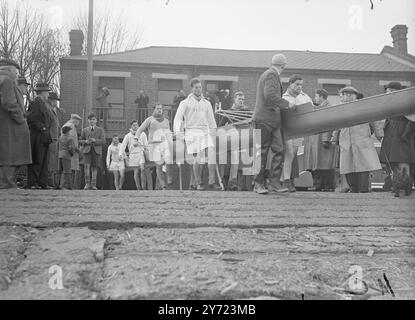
{"x":267,"y":118}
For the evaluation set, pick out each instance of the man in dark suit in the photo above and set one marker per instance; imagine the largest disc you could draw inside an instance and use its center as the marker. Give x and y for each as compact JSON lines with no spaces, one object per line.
{"x":39,"y":121}
{"x":53,"y":163}
{"x":92,"y":140}
{"x":267,"y":118}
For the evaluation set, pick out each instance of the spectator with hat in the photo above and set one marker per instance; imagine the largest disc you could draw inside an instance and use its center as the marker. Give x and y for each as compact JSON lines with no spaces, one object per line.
{"x":358,"y":155}
{"x":22,"y":85}
{"x":319,"y":152}
{"x":40,"y":122}
{"x":53,"y":160}
{"x":14,"y":131}
{"x":396,"y":152}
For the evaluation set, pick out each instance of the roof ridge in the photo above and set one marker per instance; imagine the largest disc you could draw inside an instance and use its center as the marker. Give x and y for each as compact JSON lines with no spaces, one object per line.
{"x":239,"y":50}
{"x":182,"y":55}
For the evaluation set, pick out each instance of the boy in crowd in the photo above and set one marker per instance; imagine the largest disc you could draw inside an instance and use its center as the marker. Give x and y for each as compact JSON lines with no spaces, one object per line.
{"x":136,"y":157}
{"x":92,"y":140}
{"x":115,"y":162}
{"x":67,"y":149}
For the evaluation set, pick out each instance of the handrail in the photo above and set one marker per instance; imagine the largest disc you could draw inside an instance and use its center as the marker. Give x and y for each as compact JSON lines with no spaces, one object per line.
{"x":127,"y":114}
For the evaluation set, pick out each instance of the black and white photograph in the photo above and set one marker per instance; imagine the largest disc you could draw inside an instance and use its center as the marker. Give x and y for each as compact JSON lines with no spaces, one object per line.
{"x":205,"y":156}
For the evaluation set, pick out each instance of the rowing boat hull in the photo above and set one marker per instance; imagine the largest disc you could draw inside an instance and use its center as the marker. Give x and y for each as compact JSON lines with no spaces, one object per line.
{"x":306,"y":120}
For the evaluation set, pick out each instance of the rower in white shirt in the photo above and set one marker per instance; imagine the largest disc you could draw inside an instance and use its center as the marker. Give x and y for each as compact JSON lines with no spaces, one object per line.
{"x":199,"y":123}
{"x":295,"y":95}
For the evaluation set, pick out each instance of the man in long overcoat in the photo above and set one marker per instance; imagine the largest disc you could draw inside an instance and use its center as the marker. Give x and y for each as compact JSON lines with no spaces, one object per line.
{"x":39,"y":120}
{"x":397,"y":152}
{"x":358,"y":156}
{"x":14,"y":131}
{"x":319,"y":152}
{"x":53,"y":167}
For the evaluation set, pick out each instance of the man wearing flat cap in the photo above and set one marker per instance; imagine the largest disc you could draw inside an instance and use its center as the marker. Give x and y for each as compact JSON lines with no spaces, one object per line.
{"x":358,"y":155}
{"x":397,"y":153}
{"x":14,"y":131}
{"x":40,"y":122}
{"x":267,"y":118}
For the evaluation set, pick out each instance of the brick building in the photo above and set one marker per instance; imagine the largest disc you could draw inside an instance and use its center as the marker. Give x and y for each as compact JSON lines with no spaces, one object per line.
{"x":162,"y":71}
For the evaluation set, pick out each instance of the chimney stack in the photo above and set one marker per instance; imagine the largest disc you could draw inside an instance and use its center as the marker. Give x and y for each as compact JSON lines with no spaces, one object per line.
{"x":398,"y":34}
{"x":76,"y":39}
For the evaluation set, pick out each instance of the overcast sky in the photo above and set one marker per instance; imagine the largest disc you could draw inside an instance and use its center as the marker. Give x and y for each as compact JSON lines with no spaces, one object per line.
{"x":317,"y":25}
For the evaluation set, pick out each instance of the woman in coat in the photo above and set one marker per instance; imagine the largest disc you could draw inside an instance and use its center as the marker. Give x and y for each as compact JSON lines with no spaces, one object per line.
{"x":319,"y":153}
{"x":358,"y":155}
{"x":14,"y":131}
{"x":73,"y":123}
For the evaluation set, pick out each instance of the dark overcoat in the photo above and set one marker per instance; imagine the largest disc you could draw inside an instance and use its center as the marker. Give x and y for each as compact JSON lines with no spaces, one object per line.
{"x":396,"y":147}
{"x":14,"y":131}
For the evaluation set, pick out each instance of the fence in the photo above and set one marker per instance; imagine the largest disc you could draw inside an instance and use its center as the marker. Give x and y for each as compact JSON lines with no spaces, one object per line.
{"x":118,"y":119}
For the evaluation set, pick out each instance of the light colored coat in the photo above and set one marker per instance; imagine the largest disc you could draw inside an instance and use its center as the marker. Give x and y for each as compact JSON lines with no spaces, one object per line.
{"x":317,"y":157}
{"x":357,"y":149}
{"x":74,"y":135}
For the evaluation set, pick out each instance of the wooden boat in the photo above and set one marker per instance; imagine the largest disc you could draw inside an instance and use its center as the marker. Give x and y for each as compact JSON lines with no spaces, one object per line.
{"x":306,"y":120}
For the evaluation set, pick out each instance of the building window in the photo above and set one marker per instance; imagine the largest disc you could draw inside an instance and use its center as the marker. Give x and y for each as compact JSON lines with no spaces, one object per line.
{"x":333,"y":90}
{"x":216,"y":86}
{"x":167,"y":90}
{"x":116,"y":97}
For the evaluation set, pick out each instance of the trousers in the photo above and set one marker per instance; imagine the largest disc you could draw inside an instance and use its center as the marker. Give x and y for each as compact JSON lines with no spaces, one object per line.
{"x":271,"y":139}
{"x":358,"y":181}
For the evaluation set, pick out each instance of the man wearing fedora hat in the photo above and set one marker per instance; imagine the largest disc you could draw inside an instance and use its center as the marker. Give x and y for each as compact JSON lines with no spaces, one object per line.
{"x":396,"y":152}
{"x":22,"y":85}
{"x":14,"y":131}
{"x":358,"y":155}
{"x":53,"y":160}
{"x":40,"y":121}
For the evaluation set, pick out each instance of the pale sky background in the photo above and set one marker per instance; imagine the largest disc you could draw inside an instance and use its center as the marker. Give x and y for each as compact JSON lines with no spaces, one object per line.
{"x":315,"y":25}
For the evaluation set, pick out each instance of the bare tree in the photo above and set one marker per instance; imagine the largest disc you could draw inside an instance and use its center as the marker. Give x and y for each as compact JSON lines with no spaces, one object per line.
{"x":111,"y":32}
{"x":26,"y":38}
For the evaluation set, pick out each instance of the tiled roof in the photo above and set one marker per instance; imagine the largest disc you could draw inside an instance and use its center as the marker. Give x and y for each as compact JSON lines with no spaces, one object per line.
{"x":255,"y":59}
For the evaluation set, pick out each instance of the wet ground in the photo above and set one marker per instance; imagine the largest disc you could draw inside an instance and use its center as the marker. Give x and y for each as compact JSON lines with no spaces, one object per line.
{"x":205,"y":245}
